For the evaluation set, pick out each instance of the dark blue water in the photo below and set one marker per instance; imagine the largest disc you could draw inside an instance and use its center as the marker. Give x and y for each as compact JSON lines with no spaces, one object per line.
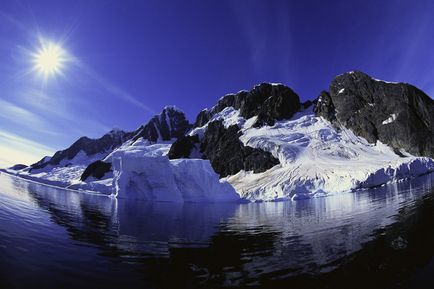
{"x":52,"y":238}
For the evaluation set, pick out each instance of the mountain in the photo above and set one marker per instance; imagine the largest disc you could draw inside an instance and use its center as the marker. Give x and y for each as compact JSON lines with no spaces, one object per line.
{"x":170,"y":123}
{"x":397,"y":114}
{"x":309,"y":149}
{"x":84,"y":145}
{"x":220,"y":143}
{"x":262,"y":143}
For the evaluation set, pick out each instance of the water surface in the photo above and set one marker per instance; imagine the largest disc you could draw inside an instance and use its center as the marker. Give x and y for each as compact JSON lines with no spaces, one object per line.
{"x":53,"y":238}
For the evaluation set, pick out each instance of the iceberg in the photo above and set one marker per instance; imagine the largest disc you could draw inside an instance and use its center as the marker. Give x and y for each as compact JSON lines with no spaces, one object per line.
{"x":156,"y":178}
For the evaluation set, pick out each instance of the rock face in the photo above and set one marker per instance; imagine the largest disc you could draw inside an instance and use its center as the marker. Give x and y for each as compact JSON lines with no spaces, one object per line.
{"x":397,"y":114}
{"x":18,"y":167}
{"x":270,"y":102}
{"x":222,"y":146}
{"x":202,"y":118}
{"x":96,"y":169}
{"x":324,"y":107}
{"x":108,"y":142}
{"x":227,"y":153}
{"x":182,"y":147}
{"x":170,"y":123}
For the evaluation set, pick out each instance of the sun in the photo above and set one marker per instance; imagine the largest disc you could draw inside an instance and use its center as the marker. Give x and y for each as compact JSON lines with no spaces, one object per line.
{"x":49,"y":59}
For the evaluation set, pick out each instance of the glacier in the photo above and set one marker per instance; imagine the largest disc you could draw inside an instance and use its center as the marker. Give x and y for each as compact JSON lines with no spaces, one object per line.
{"x":317,"y":159}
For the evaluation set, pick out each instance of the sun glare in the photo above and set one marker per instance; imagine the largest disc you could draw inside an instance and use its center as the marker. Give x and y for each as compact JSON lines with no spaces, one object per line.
{"x":49,"y":59}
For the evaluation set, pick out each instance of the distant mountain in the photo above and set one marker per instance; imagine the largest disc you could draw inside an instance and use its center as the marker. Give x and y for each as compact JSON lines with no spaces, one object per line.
{"x":170,"y":123}
{"x":104,"y":144}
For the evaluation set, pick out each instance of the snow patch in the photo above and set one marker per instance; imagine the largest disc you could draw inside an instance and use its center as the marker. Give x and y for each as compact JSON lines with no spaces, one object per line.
{"x":391,"y":119}
{"x":229,"y":116}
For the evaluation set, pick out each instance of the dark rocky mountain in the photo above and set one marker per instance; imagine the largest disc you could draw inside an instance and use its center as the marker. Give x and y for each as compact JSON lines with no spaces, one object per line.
{"x":106,"y":143}
{"x":222,"y":146}
{"x":170,"y":123}
{"x":270,"y":102}
{"x":398,"y":114}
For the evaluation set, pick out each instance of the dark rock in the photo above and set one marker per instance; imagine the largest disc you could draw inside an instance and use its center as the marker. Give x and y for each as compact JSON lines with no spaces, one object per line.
{"x":183,"y":147}
{"x":106,"y":143}
{"x":282,"y":104}
{"x":202,"y":118}
{"x":397,"y":114}
{"x":227,"y":153}
{"x":270,"y":102}
{"x":170,"y":123}
{"x":324,"y":106}
{"x":306,"y":104}
{"x":18,"y":167}
{"x":96,"y":169}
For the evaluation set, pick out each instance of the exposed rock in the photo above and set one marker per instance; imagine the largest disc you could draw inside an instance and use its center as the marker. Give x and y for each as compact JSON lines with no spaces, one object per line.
{"x":18,"y":167}
{"x":202,"y":118}
{"x":170,"y":123}
{"x":324,"y":106}
{"x":183,"y":147}
{"x":106,"y":143}
{"x":397,"y":114}
{"x":307,"y":104}
{"x":227,"y":153}
{"x":270,"y":102}
{"x":96,"y":169}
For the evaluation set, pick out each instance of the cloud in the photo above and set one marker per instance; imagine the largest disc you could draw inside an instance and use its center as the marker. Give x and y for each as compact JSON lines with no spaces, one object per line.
{"x":14,"y":113}
{"x":16,"y":149}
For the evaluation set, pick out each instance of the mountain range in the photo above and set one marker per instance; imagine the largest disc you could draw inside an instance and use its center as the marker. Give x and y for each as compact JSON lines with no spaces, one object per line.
{"x":260,"y":144}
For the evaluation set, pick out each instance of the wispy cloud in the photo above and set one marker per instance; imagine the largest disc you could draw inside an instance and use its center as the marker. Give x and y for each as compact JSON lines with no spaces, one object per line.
{"x":14,"y":113}
{"x":17,"y":149}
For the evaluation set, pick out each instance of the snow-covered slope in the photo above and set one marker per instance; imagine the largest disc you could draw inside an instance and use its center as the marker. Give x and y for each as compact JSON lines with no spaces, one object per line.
{"x":316,"y":159}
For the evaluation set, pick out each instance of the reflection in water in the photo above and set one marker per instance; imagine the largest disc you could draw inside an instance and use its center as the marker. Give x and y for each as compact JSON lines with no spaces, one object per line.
{"x":69,"y":239}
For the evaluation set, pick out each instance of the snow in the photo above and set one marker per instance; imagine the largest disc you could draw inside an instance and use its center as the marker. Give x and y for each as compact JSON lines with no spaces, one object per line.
{"x":157,"y":178}
{"x":229,"y":116}
{"x":391,"y":119}
{"x":316,"y":160}
{"x":341,"y":90}
{"x":63,"y":175}
{"x":379,"y":80}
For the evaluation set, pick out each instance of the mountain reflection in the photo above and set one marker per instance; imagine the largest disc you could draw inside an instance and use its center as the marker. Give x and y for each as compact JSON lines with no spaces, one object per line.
{"x":296,"y":244}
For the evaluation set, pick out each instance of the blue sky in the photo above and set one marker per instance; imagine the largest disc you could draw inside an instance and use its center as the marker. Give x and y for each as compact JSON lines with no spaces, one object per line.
{"x":128,"y":59}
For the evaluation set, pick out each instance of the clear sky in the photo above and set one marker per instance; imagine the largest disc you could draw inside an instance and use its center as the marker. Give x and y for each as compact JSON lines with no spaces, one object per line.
{"x":128,"y":59}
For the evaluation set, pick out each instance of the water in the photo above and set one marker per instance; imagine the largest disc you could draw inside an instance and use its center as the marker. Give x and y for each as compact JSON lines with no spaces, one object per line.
{"x":52,"y":238}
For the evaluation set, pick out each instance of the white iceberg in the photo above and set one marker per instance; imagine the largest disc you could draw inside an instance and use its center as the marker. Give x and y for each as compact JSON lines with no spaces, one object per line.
{"x":156,"y":178}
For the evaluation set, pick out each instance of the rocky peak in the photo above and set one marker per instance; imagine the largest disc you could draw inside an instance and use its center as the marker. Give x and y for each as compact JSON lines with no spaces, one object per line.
{"x":270,"y":102}
{"x":170,"y":123}
{"x":397,"y":114}
{"x":106,"y":143}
